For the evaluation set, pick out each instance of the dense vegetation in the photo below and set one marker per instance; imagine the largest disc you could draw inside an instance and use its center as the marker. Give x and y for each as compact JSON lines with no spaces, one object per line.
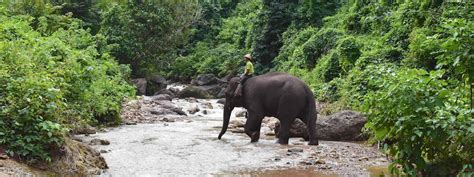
{"x":53,"y":77}
{"x":408,"y":65}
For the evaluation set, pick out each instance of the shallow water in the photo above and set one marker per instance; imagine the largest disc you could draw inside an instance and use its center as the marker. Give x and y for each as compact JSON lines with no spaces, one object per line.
{"x":190,"y":147}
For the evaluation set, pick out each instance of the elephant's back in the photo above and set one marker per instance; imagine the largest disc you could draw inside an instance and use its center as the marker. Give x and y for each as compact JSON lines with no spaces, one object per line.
{"x":278,"y":80}
{"x":279,"y":84}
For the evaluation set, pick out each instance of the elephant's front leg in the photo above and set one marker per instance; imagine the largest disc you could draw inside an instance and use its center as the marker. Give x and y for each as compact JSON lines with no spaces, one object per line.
{"x":253,"y":125}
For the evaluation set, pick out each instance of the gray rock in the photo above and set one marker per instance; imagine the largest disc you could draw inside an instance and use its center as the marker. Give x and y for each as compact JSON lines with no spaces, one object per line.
{"x":140,"y":84}
{"x":167,"y":92}
{"x":85,"y":129}
{"x":297,"y":129}
{"x":295,"y":150}
{"x":212,"y":90}
{"x":341,"y":126}
{"x":174,"y":90}
{"x":205,"y":79}
{"x":221,"y":101}
{"x":4,"y":157}
{"x":130,"y":123}
{"x":162,"y":111}
{"x":241,"y":113}
{"x":99,"y":142}
{"x":193,"y":110}
{"x":193,"y":91}
{"x":162,"y":97}
{"x":320,"y":161}
{"x":155,"y":83}
{"x":237,"y":130}
{"x":237,"y":123}
{"x":207,"y":106}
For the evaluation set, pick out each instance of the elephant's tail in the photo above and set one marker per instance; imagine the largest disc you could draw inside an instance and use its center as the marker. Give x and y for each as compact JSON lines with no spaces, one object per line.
{"x":311,"y":116}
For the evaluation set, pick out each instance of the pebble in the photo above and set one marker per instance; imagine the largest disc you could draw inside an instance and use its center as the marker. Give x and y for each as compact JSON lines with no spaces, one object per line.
{"x":165,"y":124}
{"x":364,"y":159}
{"x":297,"y":143}
{"x":76,"y":139}
{"x":99,"y":142}
{"x":295,"y":150}
{"x":270,"y":133}
{"x":237,"y":130}
{"x":165,"y":119}
{"x":103,"y":151}
{"x":208,"y":106}
{"x":320,"y":161}
{"x":130,"y":123}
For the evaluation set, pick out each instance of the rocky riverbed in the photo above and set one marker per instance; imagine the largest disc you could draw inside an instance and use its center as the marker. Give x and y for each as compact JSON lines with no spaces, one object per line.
{"x":179,"y":137}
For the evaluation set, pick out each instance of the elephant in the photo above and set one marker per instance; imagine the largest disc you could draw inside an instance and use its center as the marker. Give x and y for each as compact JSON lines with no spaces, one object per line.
{"x":273,"y":94}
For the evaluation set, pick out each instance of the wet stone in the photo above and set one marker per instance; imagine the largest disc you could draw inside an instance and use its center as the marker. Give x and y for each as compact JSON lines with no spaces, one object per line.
{"x":207,"y":106}
{"x":193,"y":110}
{"x":237,"y":130}
{"x":320,"y":161}
{"x":165,"y":119}
{"x":75,"y":138}
{"x":130,"y":123}
{"x":295,"y":150}
{"x":99,"y":142}
{"x":3,"y":157}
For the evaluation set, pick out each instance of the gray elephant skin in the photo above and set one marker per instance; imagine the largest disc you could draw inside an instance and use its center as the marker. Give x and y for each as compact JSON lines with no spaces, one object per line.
{"x":275,"y":95}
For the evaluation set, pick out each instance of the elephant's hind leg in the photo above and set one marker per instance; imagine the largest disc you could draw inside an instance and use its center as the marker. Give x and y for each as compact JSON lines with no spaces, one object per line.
{"x":284,"y":132}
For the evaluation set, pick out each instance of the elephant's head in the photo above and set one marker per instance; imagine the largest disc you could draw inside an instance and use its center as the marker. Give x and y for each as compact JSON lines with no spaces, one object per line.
{"x":230,"y":102}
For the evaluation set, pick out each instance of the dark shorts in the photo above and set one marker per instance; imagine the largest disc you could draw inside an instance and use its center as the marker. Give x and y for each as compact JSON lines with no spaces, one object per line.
{"x":242,"y":81}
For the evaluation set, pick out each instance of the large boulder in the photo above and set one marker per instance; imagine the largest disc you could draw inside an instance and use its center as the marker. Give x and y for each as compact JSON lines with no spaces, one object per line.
{"x":341,"y":126}
{"x":193,"y":91}
{"x":205,"y":79}
{"x":155,"y":83}
{"x":212,"y":90}
{"x":298,"y":129}
{"x":141,"y":84}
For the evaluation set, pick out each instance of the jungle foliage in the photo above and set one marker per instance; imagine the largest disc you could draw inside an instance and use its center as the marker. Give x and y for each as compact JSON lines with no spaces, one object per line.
{"x":407,"y":65}
{"x":53,"y":77}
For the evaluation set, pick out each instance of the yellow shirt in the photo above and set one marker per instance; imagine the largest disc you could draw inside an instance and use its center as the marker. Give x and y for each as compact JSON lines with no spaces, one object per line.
{"x":249,"y":68}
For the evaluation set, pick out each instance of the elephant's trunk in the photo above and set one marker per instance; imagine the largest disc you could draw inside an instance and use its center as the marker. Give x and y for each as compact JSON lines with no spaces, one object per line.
{"x":227,"y":111}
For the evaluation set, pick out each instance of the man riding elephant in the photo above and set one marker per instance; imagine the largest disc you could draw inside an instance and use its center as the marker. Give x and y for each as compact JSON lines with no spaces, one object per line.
{"x":248,"y":73}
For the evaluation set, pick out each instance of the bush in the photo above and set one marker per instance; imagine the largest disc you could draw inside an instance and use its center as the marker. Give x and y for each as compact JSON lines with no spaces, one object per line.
{"x":221,"y":60}
{"x":49,"y":81}
{"x":423,"y":121}
{"x":348,"y":53}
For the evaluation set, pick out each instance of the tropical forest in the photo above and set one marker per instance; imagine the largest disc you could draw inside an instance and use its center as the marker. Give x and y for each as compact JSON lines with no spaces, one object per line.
{"x":143,"y":88}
